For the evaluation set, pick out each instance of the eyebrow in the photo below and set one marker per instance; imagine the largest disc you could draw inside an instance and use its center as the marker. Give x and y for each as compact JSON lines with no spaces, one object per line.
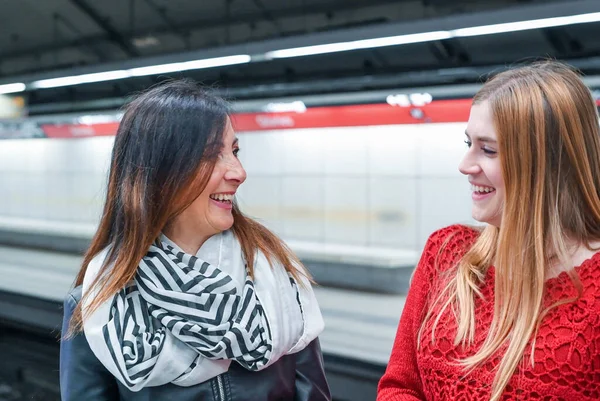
{"x":482,"y":138}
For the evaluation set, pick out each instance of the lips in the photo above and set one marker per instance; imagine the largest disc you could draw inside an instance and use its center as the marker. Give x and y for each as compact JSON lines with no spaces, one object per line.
{"x":223,"y":200}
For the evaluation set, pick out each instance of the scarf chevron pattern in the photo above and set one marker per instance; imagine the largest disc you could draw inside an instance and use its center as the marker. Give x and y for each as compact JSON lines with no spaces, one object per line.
{"x":195,"y":302}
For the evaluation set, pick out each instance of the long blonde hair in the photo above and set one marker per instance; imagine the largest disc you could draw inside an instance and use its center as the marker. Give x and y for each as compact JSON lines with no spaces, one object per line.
{"x":549,"y":147}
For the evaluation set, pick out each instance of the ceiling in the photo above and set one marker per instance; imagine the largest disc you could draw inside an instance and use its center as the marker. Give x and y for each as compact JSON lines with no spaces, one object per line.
{"x":69,"y":37}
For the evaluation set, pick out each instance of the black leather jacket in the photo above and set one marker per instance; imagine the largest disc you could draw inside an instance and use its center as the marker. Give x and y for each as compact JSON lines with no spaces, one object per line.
{"x":297,"y":377}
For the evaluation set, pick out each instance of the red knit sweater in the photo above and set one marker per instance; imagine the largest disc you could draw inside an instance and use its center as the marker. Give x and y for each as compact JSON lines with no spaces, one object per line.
{"x":567,"y":349}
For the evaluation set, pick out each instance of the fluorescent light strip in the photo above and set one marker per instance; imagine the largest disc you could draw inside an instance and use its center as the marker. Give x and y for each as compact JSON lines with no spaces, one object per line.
{"x":190,"y":65}
{"x":12,"y":88}
{"x":526,"y":25}
{"x":141,"y":71}
{"x":80,"y":79}
{"x":435,"y":35}
{"x":359,"y":44}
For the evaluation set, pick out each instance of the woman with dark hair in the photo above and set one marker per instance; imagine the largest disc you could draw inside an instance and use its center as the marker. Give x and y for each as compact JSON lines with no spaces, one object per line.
{"x":181,"y":296}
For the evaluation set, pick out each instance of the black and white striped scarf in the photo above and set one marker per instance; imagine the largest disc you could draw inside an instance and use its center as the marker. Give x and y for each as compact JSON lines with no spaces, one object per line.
{"x":177,"y":303}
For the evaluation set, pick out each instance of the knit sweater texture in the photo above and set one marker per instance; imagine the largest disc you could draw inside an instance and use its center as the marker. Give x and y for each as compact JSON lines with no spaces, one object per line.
{"x":567,"y":347}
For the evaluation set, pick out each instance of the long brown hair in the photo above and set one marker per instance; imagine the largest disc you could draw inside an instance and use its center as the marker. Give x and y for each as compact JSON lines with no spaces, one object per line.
{"x":549,"y":147}
{"x":165,"y":150}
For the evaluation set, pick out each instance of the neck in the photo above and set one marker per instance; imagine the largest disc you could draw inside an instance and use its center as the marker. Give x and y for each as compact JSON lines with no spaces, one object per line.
{"x":186,"y":237}
{"x":577,"y":253}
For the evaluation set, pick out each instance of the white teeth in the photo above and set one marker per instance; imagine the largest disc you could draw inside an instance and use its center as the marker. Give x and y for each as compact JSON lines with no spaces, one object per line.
{"x":477,"y":188}
{"x":222,"y":197}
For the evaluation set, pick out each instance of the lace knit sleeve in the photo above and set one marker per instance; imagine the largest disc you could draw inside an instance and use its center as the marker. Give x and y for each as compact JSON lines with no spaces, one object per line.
{"x":402,"y":380}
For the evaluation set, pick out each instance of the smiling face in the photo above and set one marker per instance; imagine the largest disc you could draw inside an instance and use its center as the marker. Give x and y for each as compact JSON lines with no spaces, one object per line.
{"x":482,"y":166}
{"x":211,"y":212}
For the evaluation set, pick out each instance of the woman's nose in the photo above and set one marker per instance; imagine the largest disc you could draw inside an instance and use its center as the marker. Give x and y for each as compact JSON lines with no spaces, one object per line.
{"x":236,"y":173}
{"x":468,"y":166}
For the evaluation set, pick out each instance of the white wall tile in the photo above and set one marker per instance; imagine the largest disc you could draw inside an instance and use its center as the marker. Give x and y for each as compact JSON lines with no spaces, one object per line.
{"x":36,"y":195}
{"x":85,"y":195}
{"x":55,"y":195}
{"x":20,"y":199}
{"x":442,"y":202}
{"x":392,"y":212}
{"x":392,"y":150}
{"x":261,"y":153}
{"x":4,"y":192}
{"x":34,"y":157}
{"x":260,"y":198}
{"x":13,"y":155}
{"x":60,"y":193}
{"x":11,"y":191}
{"x":88,"y":155}
{"x":98,"y":151}
{"x":346,"y":210}
{"x":441,"y":147}
{"x":57,"y":154}
{"x":345,"y":151}
{"x":303,"y":152}
{"x":71,"y":151}
{"x":303,"y":208}
{"x":4,"y":158}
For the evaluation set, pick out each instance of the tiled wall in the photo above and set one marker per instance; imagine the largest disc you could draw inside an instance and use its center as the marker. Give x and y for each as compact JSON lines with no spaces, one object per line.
{"x":387,"y":186}
{"x":57,"y":180}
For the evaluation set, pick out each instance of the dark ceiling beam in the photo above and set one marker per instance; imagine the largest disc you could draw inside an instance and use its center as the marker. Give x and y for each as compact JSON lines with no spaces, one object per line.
{"x":206,"y":23}
{"x":560,"y":40}
{"x":112,"y":34}
{"x":185,"y":36}
{"x":378,"y":56}
{"x":97,"y":52}
{"x":268,"y":16}
{"x":449,"y":51}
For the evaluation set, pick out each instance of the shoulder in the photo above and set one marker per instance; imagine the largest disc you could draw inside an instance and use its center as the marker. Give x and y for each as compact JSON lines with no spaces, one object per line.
{"x":455,"y":234}
{"x":74,"y":296}
{"x":447,"y":245}
{"x":94,"y":268}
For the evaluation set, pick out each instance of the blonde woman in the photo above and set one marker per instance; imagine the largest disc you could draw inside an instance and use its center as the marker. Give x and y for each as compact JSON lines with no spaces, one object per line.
{"x":511,"y":311}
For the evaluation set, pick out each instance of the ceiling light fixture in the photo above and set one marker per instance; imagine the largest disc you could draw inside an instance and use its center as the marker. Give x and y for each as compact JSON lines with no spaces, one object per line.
{"x":80,"y":79}
{"x":526,"y":25}
{"x":141,"y":71}
{"x":435,"y":35}
{"x":12,"y":88}
{"x":358,"y":44}
{"x":190,"y":65}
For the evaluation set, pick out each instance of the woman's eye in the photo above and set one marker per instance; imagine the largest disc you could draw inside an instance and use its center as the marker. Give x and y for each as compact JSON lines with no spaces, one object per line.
{"x":469,"y":143}
{"x":488,"y":151}
{"x":236,"y":151}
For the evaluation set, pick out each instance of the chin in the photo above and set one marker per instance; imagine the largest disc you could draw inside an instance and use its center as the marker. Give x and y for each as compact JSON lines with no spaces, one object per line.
{"x":492,"y":221}
{"x":225,"y":225}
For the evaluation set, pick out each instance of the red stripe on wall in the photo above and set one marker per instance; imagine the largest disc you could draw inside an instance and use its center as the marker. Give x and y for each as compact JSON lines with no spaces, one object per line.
{"x":80,"y":130}
{"x":438,"y":111}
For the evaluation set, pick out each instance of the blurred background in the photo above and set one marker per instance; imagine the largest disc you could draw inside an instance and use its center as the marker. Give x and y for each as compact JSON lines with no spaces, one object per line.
{"x":350,"y":116}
